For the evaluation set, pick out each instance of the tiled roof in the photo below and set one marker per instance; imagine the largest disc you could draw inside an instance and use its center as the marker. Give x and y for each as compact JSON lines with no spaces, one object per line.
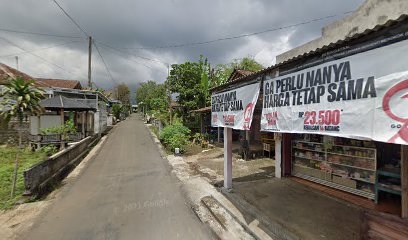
{"x":238,"y":73}
{"x":202,"y":110}
{"x":9,"y":72}
{"x":244,"y":72}
{"x":60,"y":83}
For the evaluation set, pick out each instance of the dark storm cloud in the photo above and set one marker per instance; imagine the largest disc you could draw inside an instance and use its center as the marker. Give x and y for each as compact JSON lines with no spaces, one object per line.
{"x":128,"y":24}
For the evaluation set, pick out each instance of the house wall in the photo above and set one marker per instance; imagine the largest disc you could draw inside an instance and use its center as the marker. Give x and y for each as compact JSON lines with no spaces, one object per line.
{"x":367,"y":16}
{"x":9,"y":133}
{"x":103,"y":116}
{"x":96,"y":127}
{"x":109,"y":121}
{"x":46,"y":121}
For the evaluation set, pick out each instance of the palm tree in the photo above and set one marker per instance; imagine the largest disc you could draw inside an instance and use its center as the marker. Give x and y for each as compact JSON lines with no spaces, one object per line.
{"x":19,"y":97}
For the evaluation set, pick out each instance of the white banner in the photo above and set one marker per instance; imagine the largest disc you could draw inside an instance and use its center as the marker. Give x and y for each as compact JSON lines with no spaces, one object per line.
{"x":234,"y":108}
{"x":360,"y":96}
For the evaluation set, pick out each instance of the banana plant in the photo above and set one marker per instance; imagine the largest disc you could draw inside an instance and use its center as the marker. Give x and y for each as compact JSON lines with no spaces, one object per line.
{"x":19,"y":97}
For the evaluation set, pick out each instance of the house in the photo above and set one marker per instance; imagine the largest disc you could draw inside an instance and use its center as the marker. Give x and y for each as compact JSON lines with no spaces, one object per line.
{"x":7,"y":72}
{"x":8,"y":131}
{"x":239,"y":73}
{"x":94,"y":115}
{"x":87,"y":109}
{"x":57,"y":83}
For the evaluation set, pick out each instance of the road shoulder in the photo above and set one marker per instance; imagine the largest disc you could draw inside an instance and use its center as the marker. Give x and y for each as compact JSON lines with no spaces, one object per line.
{"x":16,"y":222}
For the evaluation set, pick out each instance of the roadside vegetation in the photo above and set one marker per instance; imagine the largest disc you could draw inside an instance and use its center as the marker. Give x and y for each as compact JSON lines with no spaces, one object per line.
{"x":19,"y":98}
{"x":27,"y":159}
{"x":188,"y":84}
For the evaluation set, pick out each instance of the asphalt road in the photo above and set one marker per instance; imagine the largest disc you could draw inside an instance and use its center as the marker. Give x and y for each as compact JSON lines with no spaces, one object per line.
{"x":125,"y":192}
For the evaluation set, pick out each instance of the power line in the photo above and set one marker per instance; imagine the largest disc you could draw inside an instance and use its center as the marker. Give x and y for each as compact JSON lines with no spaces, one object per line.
{"x":145,"y":58}
{"x":37,"y":33}
{"x":39,"y":49}
{"x":242,"y":35}
{"x":72,"y":20}
{"x":43,"y":59}
{"x":104,"y":63}
{"x":116,"y":52}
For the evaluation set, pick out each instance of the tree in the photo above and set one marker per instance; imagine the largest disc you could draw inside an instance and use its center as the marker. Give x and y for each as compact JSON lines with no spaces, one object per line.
{"x":19,"y":98}
{"x":122,"y":93}
{"x":185,"y":80}
{"x":152,"y":96}
{"x":116,"y":110}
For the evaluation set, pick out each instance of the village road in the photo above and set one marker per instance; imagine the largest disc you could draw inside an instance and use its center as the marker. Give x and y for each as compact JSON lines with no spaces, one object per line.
{"x":125,"y":192}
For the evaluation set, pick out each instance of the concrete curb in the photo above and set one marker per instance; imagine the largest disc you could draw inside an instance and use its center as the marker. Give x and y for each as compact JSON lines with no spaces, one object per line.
{"x":274,"y":229}
{"x":226,"y":218}
{"x":91,"y":155}
{"x":205,"y":204}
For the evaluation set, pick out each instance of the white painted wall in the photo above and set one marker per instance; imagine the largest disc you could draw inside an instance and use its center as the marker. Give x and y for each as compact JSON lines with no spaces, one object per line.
{"x":103,"y":116}
{"x":96,"y":123}
{"x":109,"y":121}
{"x":46,"y":121}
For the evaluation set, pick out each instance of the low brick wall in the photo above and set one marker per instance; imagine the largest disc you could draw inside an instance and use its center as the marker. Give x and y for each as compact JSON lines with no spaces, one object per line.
{"x":41,"y":177}
{"x":9,"y":133}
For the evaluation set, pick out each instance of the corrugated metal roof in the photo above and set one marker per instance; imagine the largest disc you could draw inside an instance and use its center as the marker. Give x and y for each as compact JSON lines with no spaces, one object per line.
{"x":316,"y":51}
{"x":347,"y":39}
{"x":61,"y":102}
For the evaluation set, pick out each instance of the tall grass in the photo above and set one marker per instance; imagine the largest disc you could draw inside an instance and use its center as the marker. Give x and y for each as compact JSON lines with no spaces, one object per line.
{"x":26,"y":160}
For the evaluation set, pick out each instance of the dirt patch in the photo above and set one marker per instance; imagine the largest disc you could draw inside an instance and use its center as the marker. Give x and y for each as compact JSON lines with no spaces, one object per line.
{"x":193,"y":149}
{"x":198,"y":171}
{"x":210,"y":164}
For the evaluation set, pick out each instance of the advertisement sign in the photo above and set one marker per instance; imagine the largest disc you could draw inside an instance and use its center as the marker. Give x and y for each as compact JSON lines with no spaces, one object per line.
{"x":361,"y":95}
{"x":234,"y":108}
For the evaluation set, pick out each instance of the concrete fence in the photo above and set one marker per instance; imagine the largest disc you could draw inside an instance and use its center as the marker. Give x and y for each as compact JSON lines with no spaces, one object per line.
{"x":41,"y":177}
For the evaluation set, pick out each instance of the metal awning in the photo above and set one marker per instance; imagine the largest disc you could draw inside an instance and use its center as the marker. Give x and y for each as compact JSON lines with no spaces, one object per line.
{"x":60,"y":102}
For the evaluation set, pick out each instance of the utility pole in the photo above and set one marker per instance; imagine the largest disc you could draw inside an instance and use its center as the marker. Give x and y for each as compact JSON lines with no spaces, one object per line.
{"x":168,"y":91}
{"x":17,"y":62}
{"x":89,"y":62}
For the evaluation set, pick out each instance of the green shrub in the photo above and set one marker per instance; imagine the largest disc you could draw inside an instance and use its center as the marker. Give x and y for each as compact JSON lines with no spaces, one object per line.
{"x":64,"y":130}
{"x":175,"y":136}
{"x":49,"y":150}
{"x":178,"y":141}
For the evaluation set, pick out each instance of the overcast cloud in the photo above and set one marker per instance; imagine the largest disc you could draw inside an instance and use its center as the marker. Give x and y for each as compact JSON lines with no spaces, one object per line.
{"x":126,"y":24}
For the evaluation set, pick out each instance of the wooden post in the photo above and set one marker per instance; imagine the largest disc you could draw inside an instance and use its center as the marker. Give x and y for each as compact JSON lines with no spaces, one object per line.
{"x":62,"y":116}
{"x":83,"y":117}
{"x":62,"y":123}
{"x":404,"y":181}
{"x":201,"y":123}
{"x":219,"y":134}
{"x":39,"y":124}
{"x":86,"y":123}
{"x":278,"y":155}
{"x":227,"y":158}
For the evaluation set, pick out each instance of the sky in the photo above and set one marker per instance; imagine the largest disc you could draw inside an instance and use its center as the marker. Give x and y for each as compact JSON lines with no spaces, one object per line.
{"x":133,"y":35}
